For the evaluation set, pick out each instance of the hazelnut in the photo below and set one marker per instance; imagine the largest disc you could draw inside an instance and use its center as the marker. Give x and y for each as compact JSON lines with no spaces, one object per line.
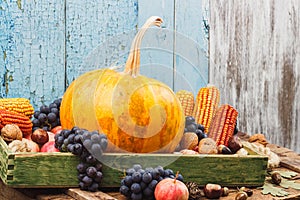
{"x":11,"y":132}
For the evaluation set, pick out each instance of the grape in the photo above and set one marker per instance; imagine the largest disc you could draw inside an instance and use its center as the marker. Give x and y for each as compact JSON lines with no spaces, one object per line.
{"x":153,"y":184}
{"x":77,"y":149}
{"x":44,"y":109}
{"x":143,"y":185}
{"x":57,"y":102}
{"x":96,"y":150}
{"x":42,"y":117}
{"x":82,"y":186}
{"x":191,"y":127}
{"x":52,"y":105}
{"x":137,"y":167}
{"x":128,"y":181}
{"x":95,"y":138}
{"x":170,"y":172}
{"x":93,"y":187}
{"x":91,"y":159}
{"x":160,"y":169}
{"x":124,"y":190}
{"x":81,"y":167}
{"x":147,"y":192}
{"x":87,"y":144}
{"x":80,"y":176}
{"x":66,"y":133}
{"x":104,"y":143}
{"x":147,"y":177}
{"x":136,"y":177}
{"x":98,"y":166}
{"x":78,"y":138}
{"x":135,"y":196}
{"x":180,"y":177}
{"x":36,"y":123}
{"x":155,"y":174}
{"x":98,"y":177}
{"x":87,"y":180}
{"x":189,"y":120}
{"x":135,"y":188}
{"x":36,"y":114}
{"x":55,"y":111}
{"x":91,"y":172}
{"x":70,"y":147}
{"x":51,"y":117}
{"x":201,"y":127}
{"x":71,"y":138}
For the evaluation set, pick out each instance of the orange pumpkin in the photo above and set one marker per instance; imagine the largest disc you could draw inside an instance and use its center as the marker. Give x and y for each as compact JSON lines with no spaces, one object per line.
{"x":137,"y":113}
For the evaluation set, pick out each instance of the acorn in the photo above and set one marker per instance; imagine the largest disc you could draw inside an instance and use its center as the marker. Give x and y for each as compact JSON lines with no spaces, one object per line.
{"x":276,"y":178}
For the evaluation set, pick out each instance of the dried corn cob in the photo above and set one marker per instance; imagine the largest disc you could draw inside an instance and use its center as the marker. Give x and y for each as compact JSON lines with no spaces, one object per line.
{"x":19,"y":105}
{"x":222,"y":125}
{"x":206,"y":104}
{"x":186,"y":99}
{"x":21,"y":120}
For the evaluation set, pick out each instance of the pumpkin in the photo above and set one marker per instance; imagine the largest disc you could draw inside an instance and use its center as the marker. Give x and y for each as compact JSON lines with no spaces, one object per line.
{"x":138,"y":114}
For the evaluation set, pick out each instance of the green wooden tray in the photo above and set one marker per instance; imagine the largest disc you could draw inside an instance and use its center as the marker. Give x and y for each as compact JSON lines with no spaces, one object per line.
{"x":54,"y":170}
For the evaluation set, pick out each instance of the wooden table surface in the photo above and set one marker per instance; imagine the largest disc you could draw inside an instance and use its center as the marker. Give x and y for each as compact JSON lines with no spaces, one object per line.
{"x":289,"y":161}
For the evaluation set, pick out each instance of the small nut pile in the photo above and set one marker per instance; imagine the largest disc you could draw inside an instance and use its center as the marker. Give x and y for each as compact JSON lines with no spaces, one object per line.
{"x":11,"y":132}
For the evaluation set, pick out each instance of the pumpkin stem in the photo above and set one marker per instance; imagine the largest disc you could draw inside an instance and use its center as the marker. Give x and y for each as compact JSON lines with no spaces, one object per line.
{"x":177,"y":173}
{"x":132,"y":65}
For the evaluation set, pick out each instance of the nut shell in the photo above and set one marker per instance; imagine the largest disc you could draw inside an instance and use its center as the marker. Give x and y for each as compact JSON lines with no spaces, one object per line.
{"x":189,"y":140}
{"x":11,"y":132}
{"x":207,"y":146}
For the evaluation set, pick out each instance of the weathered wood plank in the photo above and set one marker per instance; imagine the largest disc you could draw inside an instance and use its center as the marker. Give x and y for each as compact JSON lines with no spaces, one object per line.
{"x":191,"y":46}
{"x":97,"y":27}
{"x":255,"y":61}
{"x":84,"y":195}
{"x":32,"y":50}
{"x":157,"y":45}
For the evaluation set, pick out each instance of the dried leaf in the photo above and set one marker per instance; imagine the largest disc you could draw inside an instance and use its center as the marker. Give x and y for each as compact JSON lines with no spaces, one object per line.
{"x":269,"y":188}
{"x":287,"y":174}
{"x":289,"y":184}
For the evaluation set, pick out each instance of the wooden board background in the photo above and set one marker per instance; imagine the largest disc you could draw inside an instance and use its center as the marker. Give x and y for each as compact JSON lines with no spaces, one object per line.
{"x":254,"y":51}
{"x":255,"y":61}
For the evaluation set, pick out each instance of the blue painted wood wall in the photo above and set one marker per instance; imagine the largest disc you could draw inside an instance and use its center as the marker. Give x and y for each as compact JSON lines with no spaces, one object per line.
{"x":44,"y":45}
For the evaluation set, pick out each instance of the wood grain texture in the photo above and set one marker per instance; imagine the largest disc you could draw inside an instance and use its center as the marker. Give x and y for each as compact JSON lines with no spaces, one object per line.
{"x":255,"y":61}
{"x":32,"y":50}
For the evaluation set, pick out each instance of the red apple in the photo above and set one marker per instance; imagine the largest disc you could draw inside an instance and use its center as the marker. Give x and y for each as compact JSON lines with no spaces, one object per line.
{"x":49,"y":147}
{"x":56,"y":129}
{"x":171,"y":189}
{"x":32,"y":145}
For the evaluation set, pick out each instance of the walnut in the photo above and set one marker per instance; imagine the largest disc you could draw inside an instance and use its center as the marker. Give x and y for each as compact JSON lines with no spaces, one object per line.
{"x":11,"y":132}
{"x":18,"y":146}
